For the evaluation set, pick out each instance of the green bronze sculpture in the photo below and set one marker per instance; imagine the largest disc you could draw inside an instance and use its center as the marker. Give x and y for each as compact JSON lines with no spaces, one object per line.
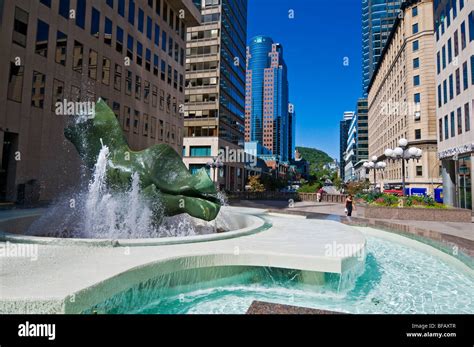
{"x":164,"y":179}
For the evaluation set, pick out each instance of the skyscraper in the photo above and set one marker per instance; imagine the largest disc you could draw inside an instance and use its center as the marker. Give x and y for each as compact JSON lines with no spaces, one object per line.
{"x":215,"y":89}
{"x":344,"y":125}
{"x":378,"y":17}
{"x":266,"y":102}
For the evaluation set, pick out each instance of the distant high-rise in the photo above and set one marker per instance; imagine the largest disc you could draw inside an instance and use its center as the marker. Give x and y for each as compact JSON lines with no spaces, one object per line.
{"x":266,"y":102}
{"x":343,"y":136}
{"x":291,"y":132}
{"x":378,"y":17}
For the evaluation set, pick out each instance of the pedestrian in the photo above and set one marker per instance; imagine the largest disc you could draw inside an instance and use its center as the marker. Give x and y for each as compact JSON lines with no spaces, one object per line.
{"x":320,"y":194}
{"x":349,"y":205}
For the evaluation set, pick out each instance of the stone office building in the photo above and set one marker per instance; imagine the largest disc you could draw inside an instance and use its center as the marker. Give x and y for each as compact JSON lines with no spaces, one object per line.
{"x":130,"y":53}
{"x":402,"y":100}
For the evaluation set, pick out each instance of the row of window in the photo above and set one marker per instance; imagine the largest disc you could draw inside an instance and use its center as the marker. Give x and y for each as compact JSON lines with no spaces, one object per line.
{"x":150,"y":92}
{"x":450,"y":50}
{"x":135,"y":15}
{"x":450,"y":10}
{"x":448,"y":129}
{"x":452,"y":85}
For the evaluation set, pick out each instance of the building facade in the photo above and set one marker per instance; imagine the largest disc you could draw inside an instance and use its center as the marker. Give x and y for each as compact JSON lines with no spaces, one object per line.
{"x":357,"y":150}
{"x":454,"y":26}
{"x":378,"y":17}
{"x":344,"y":125}
{"x":267,"y":106}
{"x":402,"y":100}
{"x":130,"y":53}
{"x":215,"y":90}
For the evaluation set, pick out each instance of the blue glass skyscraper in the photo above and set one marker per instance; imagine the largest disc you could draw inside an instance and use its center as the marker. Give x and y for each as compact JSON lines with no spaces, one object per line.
{"x":267,"y":104}
{"x":378,"y":17}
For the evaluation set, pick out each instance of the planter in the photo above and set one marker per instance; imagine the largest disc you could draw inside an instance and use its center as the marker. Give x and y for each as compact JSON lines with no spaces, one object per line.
{"x":423,"y":214}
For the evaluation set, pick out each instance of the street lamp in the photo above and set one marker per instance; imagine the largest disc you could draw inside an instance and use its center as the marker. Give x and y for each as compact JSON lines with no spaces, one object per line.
{"x":375,"y":165}
{"x":403,"y":152}
{"x":215,"y":164}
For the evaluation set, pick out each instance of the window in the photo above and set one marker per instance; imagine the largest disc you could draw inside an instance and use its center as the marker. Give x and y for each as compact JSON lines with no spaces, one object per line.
{"x":416,"y":63}
{"x":121,"y":8}
{"x":149,"y":27}
{"x":415,"y":45}
{"x":453,"y":127}
{"x":95,"y":23}
{"x":139,"y":53}
{"x":127,"y":117}
{"x":46,"y":3}
{"x":131,"y":12}
{"x":440,"y":101}
{"x":155,"y":65}
{"x":467,"y":120}
{"x":146,"y":92}
{"x":81,"y":13}
{"x":163,"y":70}
{"x":200,"y":151}
{"x":141,"y":19}
{"x":147,"y":59}
{"x":157,"y":35}
{"x":170,"y":74}
{"x":170,"y":46}
{"x":415,"y":28}
{"x":105,"y":71}
{"x":61,"y":48}
{"x":446,"y":127}
{"x":417,"y":134}
{"x":463,"y":35}
{"x":116,"y":109}
{"x":450,"y":51}
{"x":108,"y":31}
{"x":458,"y":82}
{"x":20,"y":27}
{"x":77,"y":57}
{"x":419,"y":170}
{"x":451,"y":87}
{"x":165,"y":11}
{"x":440,"y":129}
{"x":416,"y":80}
{"x":118,"y":77}
{"x":445,"y":92}
{"x":128,"y":83}
{"x":136,"y":122}
{"x":110,"y":3}
{"x":472,"y":69}
{"x":15,"y":82}
{"x":163,"y":40}
{"x":58,"y":93}
{"x":438,"y":63}
{"x":459,"y":114}
{"x":130,"y":47}
{"x":138,"y":87}
{"x":119,"y":40}
{"x":465,"y":77}
{"x":92,"y":64}
{"x":42,"y":33}
{"x":38,"y":89}
{"x":64,"y":6}
{"x":471,"y":26}
{"x":154,"y":96}
{"x":414,"y":11}
{"x":417,"y":98}
{"x":456,"y":44}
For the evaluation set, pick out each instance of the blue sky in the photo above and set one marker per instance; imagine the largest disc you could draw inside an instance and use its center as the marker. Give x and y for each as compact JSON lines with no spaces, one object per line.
{"x":315,"y":44}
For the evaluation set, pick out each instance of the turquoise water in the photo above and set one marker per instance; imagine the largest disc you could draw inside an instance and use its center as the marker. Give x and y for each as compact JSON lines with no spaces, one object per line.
{"x":396,"y":279}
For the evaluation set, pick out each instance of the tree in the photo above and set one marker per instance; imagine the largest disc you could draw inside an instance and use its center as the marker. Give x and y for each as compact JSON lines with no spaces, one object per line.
{"x":255,"y":185}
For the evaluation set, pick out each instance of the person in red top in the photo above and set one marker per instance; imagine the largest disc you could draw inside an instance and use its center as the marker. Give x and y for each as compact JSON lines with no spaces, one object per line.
{"x":320,"y":194}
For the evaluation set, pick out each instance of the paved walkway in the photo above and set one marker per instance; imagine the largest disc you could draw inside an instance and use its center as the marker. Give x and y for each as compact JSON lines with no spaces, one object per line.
{"x":331,"y":210}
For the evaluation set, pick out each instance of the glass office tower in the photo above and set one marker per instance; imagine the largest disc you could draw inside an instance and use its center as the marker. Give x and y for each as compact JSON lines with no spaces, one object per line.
{"x":378,"y":17}
{"x":266,"y":104}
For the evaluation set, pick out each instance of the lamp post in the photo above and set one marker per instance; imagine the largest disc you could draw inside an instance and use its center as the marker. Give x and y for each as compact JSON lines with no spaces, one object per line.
{"x":403,"y":153}
{"x":215,"y":164}
{"x":375,"y":165}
